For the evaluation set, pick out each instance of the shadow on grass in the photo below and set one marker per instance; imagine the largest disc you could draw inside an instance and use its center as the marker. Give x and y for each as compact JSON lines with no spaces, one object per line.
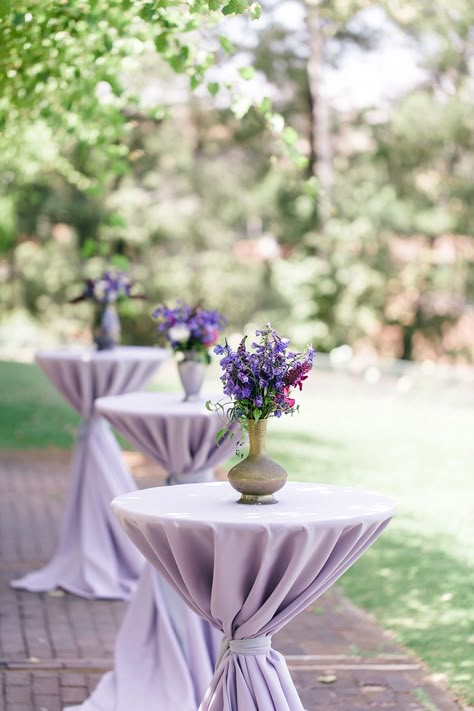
{"x":421,"y":591}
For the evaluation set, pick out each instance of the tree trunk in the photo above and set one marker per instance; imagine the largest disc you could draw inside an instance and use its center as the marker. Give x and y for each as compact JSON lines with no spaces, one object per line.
{"x":321,"y":153}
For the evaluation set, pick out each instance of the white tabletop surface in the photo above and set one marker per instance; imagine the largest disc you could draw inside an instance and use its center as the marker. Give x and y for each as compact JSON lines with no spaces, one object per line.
{"x":299,"y":503}
{"x":83,"y":354}
{"x":170,"y":405}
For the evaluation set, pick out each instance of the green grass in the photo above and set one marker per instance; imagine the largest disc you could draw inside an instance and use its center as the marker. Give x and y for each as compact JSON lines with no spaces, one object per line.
{"x":32,"y":413}
{"x":418,"y":579}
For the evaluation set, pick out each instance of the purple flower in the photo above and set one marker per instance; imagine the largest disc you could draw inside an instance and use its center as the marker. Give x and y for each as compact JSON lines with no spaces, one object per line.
{"x":259,"y":380}
{"x":190,"y":328}
{"x":112,"y":286}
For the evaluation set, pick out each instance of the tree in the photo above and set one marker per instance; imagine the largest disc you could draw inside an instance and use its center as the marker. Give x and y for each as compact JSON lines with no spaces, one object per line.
{"x":70,"y":63}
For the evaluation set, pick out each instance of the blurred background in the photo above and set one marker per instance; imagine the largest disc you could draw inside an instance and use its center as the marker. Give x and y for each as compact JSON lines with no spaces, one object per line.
{"x":319,"y":177}
{"x":308,"y":163}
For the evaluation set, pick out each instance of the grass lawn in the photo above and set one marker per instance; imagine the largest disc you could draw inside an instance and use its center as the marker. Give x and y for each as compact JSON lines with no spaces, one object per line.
{"x":418,"y":579}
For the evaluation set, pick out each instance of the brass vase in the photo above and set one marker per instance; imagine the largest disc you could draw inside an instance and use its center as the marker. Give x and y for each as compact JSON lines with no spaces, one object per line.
{"x":257,"y":477}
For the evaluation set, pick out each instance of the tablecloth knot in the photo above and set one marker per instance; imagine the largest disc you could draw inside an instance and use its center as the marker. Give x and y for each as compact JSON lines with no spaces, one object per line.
{"x":250,"y":646}
{"x":88,"y":424}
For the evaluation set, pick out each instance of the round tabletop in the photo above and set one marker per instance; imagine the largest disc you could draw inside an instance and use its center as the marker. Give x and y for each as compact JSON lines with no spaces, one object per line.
{"x":84,"y":354}
{"x":141,"y":404}
{"x":83,"y":375}
{"x":299,"y":504}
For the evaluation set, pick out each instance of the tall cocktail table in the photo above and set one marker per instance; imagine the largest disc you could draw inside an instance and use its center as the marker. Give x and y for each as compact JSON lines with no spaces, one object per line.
{"x":164,"y":654}
{"x":248,"y":570}
{"x":93,"y":558}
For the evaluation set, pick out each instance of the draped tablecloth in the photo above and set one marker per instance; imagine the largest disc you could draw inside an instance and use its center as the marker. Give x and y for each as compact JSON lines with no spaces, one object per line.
{"x":93,"y":558}
{"x":164,"y":654}
{"x":248,"y":570}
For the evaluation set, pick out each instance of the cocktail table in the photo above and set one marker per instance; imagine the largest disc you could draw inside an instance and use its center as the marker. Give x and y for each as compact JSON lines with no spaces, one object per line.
{"x":248,"y":570}
{"x":93,"y":558}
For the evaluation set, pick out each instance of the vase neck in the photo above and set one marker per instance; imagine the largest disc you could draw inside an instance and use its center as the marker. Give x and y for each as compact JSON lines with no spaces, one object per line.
{"x":257,"y":434}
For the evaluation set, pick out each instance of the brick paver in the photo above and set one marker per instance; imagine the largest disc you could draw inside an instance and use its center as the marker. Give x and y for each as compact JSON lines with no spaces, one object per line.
{"x":54,"y":646}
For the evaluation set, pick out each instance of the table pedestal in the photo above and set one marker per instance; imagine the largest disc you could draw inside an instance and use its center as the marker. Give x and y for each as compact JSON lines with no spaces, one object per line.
{"x":94,"y":559}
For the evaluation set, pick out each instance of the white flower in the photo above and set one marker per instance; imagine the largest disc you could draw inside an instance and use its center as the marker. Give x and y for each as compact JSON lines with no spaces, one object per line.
{"x":179,"y":333}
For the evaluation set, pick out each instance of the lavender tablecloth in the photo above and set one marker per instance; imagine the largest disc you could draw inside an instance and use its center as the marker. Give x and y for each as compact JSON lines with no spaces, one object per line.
{"x":93,"y":558}
{"x":164,"y":654}
{"x":249,"y":570}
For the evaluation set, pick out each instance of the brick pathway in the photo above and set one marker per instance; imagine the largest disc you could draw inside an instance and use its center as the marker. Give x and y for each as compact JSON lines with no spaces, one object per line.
{"x":54,"y":647}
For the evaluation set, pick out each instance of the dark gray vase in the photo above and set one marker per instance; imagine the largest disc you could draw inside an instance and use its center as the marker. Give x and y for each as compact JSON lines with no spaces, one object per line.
{"x":106,"y":327}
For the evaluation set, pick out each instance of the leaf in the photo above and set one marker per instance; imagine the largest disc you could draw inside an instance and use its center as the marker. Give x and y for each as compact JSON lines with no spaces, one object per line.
{"x":161,"y":42}
{"x":289,"y":135}
{"x":213,"y":87}
{"x":208,"y":405}
{"x":222,"y":433}
{"x":327,"y":678}
{"x":255,"y":11}
{"x":235,"y":7}
{"x":266,"y":105}
{"x":226,"y":44}
{"x":247,"y":73}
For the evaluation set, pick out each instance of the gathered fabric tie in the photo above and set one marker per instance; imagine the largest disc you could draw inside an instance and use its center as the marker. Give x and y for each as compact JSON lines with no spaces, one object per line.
{"x":200,"y":477}
{"x":252,"y":646}
{"x":88,"y":424}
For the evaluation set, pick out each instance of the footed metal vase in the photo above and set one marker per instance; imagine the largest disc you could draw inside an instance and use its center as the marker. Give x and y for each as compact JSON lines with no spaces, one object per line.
{"x":257,"y":477}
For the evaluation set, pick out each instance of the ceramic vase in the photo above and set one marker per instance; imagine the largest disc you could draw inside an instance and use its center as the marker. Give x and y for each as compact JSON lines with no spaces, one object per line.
{"x":191,"y":371}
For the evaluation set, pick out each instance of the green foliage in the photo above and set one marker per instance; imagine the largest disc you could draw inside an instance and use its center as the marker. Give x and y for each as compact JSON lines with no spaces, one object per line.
{"x":89,"y":170}
{"x":72,"y":64}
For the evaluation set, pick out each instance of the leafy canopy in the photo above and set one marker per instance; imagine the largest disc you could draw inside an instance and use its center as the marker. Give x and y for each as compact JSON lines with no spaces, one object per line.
{"x":69,"y":62}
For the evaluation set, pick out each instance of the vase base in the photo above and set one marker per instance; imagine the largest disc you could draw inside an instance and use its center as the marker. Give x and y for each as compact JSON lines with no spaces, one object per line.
{"x":257,"y":499}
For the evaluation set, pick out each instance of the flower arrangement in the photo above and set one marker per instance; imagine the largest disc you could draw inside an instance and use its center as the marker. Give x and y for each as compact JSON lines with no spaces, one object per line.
{"x":190,"y":329}
{"x":259,"y":381}
{"x":111,"y":287}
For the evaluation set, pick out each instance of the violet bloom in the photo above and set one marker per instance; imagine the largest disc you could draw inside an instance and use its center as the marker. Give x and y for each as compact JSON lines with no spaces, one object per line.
{"x":113,"y":286}
{"x":258,"y":381}
{"x":189,"y":328}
